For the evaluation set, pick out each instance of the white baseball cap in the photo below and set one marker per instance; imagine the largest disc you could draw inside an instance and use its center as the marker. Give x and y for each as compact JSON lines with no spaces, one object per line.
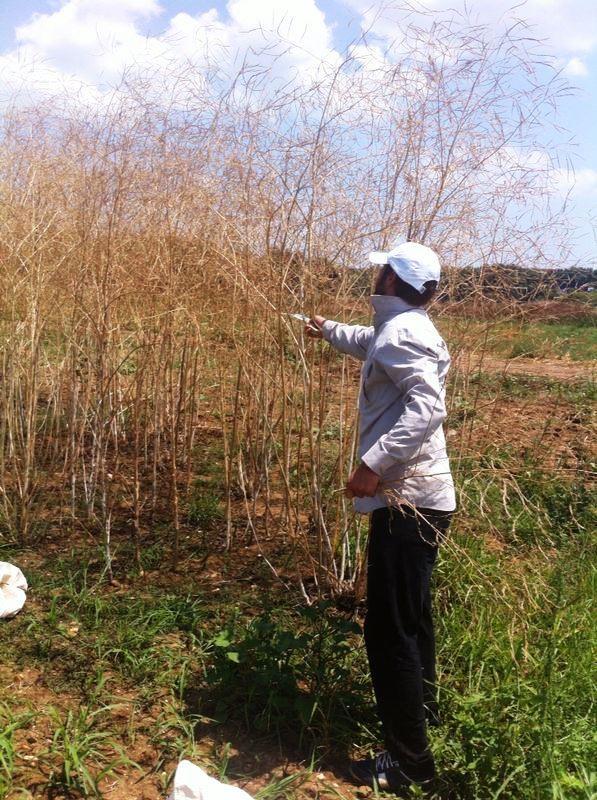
{"x":413,"y":262}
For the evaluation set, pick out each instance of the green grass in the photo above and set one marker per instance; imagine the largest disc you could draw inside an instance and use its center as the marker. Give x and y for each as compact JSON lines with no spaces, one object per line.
{"x":10,"y":722}
{"x":574,"y":339}
{"x":581,"y":393}
{"x":577,"y":341}
{"x":524,"y":505}
{"x":516,"y":659}
{"x":204,"y":510}
{"x":82,"y":751}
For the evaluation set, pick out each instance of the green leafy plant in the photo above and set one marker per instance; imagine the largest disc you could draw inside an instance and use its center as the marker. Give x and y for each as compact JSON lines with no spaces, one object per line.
{"x":303,"y":674}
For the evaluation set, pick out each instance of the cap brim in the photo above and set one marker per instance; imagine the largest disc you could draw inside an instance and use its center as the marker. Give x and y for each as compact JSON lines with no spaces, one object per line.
{"x":377,"y":257}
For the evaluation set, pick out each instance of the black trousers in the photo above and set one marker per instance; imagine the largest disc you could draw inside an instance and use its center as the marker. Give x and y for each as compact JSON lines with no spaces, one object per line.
{"x":403,"y":546}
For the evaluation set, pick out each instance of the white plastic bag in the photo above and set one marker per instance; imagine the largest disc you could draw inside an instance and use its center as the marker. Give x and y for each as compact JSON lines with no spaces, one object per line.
{"x":13,"y":586}
{"x":192,"y":783}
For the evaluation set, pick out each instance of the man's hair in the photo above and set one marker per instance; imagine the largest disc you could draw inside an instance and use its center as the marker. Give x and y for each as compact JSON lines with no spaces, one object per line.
{"x":408,"y":293}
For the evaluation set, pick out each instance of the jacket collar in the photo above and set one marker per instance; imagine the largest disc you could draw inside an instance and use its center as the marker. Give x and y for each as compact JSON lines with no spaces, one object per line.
{"x":387,"y":306}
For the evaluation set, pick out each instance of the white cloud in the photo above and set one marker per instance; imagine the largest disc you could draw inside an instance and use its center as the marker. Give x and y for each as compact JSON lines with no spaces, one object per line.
{"x":84,"y":47}
{"x":576,"y":68}
{"x":511,"y":163}
{"x":93,"y":41}
{"x":258,"y":30}
{"x":567,"y":25}
{"x":578,"y":183}
{"x":91,"y":44}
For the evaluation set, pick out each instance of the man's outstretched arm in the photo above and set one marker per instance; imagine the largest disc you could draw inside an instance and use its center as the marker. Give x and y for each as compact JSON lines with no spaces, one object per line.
{"x":353,"y":340}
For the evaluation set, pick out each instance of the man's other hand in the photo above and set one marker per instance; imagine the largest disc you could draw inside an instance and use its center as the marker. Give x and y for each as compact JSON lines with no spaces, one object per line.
{"x":313,"y":327}
{"x":362,"y":483}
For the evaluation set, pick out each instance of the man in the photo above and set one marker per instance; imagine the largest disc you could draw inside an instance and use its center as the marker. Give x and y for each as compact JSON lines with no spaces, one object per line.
{"x":404,"y":483}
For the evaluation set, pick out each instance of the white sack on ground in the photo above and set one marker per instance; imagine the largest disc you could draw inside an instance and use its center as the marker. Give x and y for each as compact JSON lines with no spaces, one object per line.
{"x":192,"y":783}
{"x":13,"y":586}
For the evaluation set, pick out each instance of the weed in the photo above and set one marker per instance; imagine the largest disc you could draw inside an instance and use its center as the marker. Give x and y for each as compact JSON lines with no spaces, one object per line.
{"x":282,"y":788}
{"x":515,"y":649}
{"x":287,"y":678}
{"x":153,"y":556}
{"x":82,"y":751}
{"x":173,"y":733}
{"x":9,"y":723}
{"x":204,"y":510}
{"x":577,"y":341}
{"x":525,"y":504}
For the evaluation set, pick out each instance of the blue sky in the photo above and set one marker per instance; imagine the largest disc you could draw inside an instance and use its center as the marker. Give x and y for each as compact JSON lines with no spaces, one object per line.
{"x":62,"y":34}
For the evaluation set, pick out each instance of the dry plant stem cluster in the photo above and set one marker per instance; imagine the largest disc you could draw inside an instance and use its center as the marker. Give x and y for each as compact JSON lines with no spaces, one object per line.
{"x":151,"y":246}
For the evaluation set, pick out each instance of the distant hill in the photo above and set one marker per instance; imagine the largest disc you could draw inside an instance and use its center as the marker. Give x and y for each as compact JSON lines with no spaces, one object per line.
{"x":511,"y":282}
{"x":496,"y":282}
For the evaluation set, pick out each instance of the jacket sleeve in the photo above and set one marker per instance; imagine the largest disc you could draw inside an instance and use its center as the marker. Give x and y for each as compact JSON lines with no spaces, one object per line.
{"x":413,"y":368}
{"x":353,"y":340}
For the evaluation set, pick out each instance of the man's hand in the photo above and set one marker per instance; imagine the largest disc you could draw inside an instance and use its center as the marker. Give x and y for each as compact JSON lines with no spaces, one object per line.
{"x":313,"y":327}
{"x":362,"y":483}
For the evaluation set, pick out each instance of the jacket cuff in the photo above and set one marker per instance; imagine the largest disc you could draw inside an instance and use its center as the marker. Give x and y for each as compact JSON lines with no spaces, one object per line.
{"x":377,"y":459}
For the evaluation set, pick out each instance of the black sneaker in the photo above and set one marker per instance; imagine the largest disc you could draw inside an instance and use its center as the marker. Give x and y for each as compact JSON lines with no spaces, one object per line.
{"x":380,"y":772}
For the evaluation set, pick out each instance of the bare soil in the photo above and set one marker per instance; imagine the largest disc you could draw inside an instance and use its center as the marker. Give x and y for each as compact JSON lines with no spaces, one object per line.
{"x":554,"y":369}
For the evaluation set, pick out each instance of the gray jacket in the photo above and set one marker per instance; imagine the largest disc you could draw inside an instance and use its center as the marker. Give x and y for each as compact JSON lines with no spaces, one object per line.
{"x":402,"y":403}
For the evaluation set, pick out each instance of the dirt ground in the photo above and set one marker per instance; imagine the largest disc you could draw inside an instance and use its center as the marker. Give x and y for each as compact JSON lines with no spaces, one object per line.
{"x":553,"y":369}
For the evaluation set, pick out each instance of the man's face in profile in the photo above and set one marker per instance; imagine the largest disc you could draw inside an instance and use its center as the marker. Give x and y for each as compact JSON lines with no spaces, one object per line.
{"x":384,"y":281}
